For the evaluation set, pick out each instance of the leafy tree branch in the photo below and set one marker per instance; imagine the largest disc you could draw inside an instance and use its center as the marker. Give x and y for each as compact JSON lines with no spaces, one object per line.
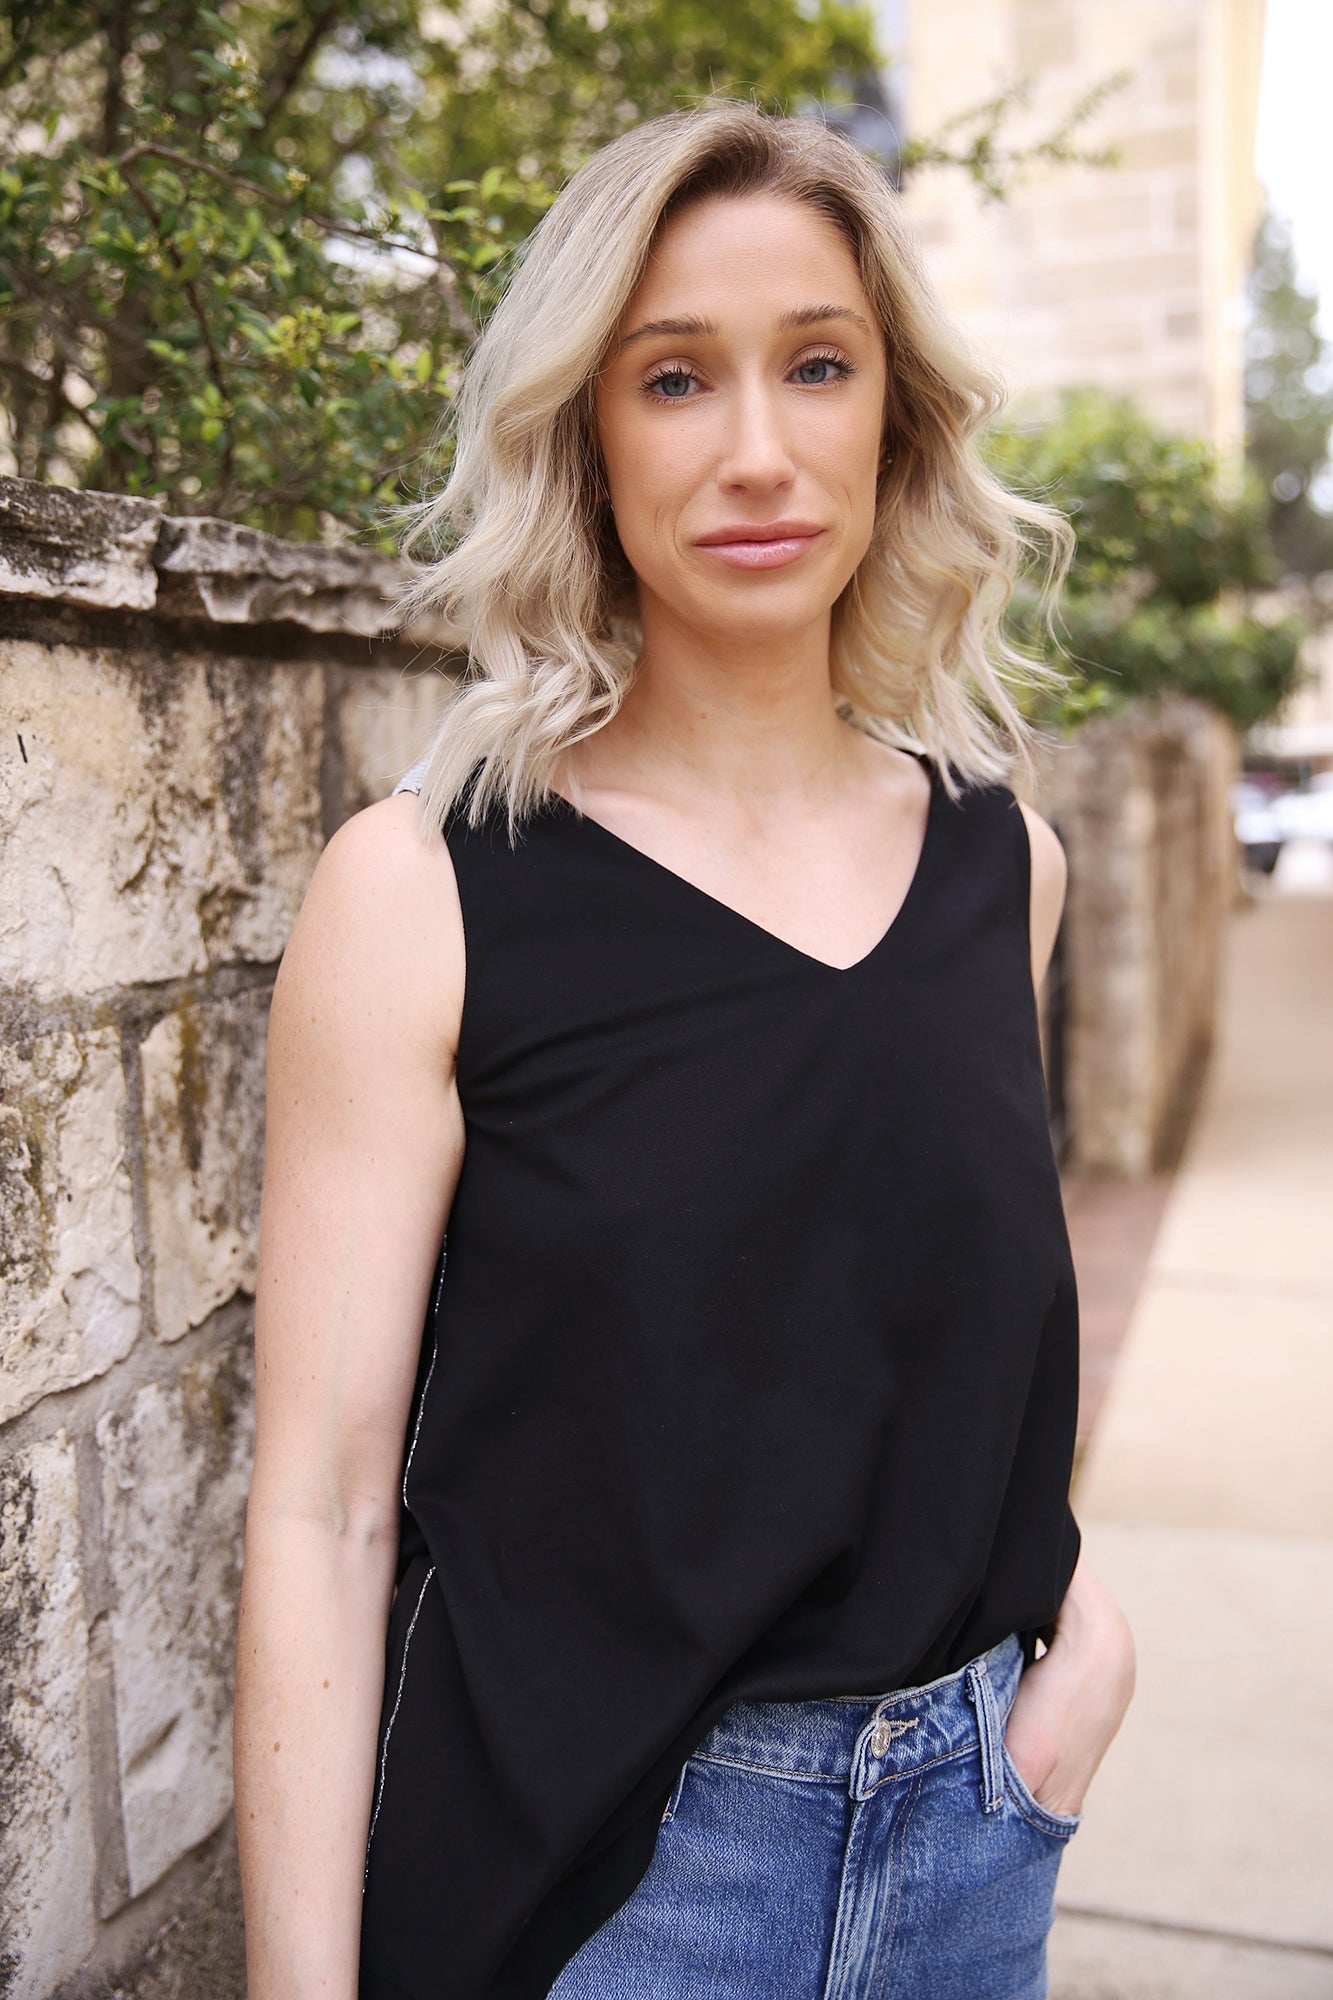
{"x":245,"y":247}
{"x":1173,"y":557}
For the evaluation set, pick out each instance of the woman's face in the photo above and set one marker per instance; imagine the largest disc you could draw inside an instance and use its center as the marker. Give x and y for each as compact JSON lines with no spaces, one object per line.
{"x":740,"y":413}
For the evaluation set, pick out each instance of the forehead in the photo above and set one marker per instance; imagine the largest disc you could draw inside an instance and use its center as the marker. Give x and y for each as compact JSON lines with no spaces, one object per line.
{"x":738,"y":248}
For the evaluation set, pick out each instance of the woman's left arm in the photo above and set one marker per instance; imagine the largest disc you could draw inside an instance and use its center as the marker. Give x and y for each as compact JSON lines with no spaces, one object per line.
{"x":1072,"y":1700}
{"x":1050,"y":875}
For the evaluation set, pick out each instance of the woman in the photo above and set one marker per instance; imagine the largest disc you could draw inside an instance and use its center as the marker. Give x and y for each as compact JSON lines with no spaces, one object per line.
{"x":724,"y":1504}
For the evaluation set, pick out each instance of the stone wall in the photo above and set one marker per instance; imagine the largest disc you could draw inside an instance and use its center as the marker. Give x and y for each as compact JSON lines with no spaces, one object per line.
{"x":1141,"y":802}
{"x":189,"y":710}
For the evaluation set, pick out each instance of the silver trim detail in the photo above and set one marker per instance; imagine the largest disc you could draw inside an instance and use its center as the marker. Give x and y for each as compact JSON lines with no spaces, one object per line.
{"x":384,"y":1753}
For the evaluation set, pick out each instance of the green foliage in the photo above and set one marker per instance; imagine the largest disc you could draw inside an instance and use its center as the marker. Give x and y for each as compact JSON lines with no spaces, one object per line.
{"x":1288,"y":402}
{"x":184,"y":309}
{"x":244,"y":248}
{"x":241,"y":265}
{"x":1166,"y":552}
{"x":545,"y":83}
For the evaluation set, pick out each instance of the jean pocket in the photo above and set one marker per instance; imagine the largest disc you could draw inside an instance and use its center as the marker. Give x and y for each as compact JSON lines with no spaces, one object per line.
{"x":669,"y":1809}
{"x":1059,"y":1825}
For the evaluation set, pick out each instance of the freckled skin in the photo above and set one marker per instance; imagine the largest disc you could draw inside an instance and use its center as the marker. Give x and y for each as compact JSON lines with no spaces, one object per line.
{"x":753,"y":424}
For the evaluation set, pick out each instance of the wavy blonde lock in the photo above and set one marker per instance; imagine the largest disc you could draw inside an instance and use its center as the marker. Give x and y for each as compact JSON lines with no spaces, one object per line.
{"x":526,"y":574}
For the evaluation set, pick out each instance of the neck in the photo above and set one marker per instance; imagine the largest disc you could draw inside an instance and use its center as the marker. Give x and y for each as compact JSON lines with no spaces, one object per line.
{"x":711,"y":718}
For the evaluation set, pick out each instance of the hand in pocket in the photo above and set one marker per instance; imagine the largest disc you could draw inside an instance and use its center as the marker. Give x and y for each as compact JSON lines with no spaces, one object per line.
{"x":1071,"y":1701}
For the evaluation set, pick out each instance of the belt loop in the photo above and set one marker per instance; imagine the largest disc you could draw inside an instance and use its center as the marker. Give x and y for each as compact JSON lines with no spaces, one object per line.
{"x":989,"y":1736}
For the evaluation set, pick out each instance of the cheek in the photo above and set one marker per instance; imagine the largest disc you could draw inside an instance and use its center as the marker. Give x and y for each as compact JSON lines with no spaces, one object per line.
{"x":626,"y":456}
{"x":651,"y":480}
{"x":855,"y":467}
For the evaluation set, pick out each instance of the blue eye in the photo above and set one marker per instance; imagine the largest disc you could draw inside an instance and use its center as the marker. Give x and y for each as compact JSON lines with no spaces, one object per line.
{"x":822,"y":361}
{"x":656,"y":383}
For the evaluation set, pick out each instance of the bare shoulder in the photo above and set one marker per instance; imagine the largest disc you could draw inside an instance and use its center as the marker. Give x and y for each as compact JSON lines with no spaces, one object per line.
{"x":1050,"y":875}
{"x":1050,"y":870}
{"x":380,"y":934}
{"x":383,"y":849}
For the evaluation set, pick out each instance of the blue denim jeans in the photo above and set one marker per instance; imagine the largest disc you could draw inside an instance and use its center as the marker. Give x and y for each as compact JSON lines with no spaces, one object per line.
{"x":864,"y":1847}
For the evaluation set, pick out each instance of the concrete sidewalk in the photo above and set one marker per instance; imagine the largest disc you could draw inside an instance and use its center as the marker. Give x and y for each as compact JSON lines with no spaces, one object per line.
{"x":1204,"y":1866}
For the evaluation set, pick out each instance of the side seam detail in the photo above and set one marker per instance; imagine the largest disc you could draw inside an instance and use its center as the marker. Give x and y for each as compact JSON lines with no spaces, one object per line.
{"x":384,"y":1753}
{"x":434,"y":1356}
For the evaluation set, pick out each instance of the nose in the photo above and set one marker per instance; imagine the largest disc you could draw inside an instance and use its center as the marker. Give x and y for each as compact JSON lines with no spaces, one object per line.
{"x":755,"y":448}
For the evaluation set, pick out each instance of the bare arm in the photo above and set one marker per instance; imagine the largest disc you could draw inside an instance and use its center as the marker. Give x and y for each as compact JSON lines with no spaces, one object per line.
{"x":364,"y":1145}
{"x":1050,"y":877}
{"x":1071,"y":1701}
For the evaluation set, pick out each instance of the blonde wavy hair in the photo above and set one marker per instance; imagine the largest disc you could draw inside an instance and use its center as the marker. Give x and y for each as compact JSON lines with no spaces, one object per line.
{"x":527,"y":573}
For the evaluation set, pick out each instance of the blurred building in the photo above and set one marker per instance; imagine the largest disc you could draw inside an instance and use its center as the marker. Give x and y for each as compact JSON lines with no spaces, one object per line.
{"x":1129,"y":275}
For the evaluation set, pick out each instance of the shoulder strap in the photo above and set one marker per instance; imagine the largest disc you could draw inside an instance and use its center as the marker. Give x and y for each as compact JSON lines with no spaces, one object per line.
{"x":411,"y":781}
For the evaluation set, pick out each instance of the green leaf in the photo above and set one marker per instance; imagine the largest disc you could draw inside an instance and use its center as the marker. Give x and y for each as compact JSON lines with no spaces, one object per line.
{"x":216,"y":25}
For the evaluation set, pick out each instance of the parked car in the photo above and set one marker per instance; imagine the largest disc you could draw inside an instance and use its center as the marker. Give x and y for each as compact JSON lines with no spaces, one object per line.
{"x":1308,"y":814}
{"x":1259,"y":825}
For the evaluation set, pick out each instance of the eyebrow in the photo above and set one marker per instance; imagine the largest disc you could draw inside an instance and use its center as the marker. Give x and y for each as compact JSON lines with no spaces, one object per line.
{"x":693,"y":328}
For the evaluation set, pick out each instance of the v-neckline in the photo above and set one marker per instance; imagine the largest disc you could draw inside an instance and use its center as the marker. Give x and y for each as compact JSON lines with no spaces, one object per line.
{"x":583,"y":819}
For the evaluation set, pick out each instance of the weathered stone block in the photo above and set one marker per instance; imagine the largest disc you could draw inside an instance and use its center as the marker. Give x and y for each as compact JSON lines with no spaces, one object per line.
{"x":107,"y":549}
{"x":1140,"y":799}
{"x":161,"y":816}
{"x":1127,"y":212}
{"x":386,"y":720}
{"x":46,"y":1822}
{"x":1169,"y":146}
{"x":175,"y":1471}
{"x":1051,"y":44}
{"x":233,"y":575}
{"x":83,"y":548}
{"x":199,"y":1952}
{"x":1171,"y":275}
{"x":69,"y":1282}
{"x":203,"y":1097}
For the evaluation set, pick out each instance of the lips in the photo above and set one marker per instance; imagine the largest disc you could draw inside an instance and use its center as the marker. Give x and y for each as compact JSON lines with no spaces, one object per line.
{"x":755,"y":531}
{"x":761,"y":545}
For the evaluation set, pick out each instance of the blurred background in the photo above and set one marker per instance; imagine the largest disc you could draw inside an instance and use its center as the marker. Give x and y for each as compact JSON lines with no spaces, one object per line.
{"x":244,"y":251}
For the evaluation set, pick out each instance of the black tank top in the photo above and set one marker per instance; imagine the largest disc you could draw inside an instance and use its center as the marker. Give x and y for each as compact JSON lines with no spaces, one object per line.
{"x":750,"y":1370}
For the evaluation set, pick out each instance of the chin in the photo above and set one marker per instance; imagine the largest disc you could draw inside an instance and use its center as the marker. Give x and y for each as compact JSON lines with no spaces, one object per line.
{"x":750,"y":613}
{"x":730,"y":625}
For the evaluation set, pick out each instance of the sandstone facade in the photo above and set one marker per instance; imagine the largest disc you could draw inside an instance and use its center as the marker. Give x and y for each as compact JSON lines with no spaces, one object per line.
{"x":174,"y":1466}
{"x":190,"y":710}
{"x":70,"y":1306}
{"x":1134,"y":277}
{"x":45,"y":1753}
{"x":1141,"y":802}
